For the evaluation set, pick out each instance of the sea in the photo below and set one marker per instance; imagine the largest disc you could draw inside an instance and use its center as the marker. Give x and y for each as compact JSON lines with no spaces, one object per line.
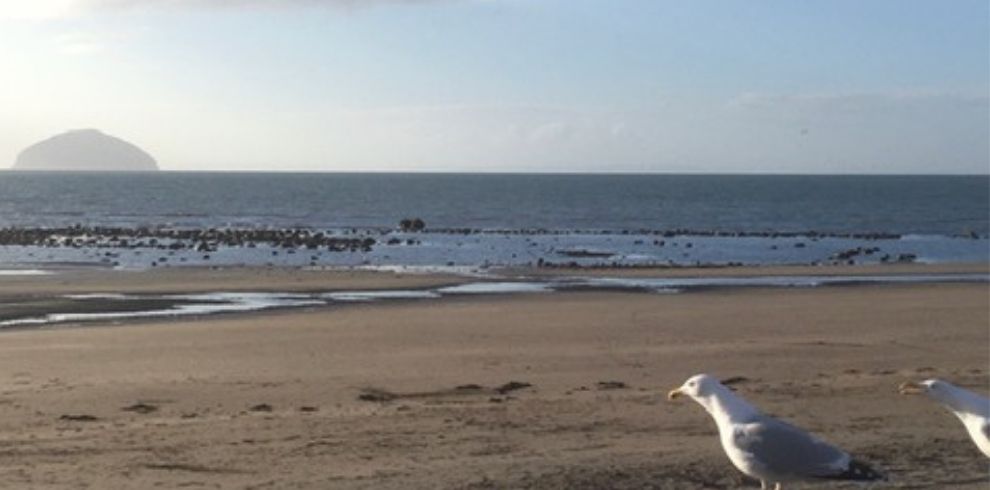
{"x":131,"y":220}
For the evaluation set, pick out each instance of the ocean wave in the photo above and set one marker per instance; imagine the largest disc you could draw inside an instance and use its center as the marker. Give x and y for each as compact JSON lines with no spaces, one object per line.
{"x":193,"y":305}
{"x":24,"y":272}
{"x":497,"y":288}
{"x":360,"y":296}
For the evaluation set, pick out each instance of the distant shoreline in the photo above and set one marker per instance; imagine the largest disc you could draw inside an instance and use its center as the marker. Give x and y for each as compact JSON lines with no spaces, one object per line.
{"x":85,"y":297}
{"x":493,"y":173}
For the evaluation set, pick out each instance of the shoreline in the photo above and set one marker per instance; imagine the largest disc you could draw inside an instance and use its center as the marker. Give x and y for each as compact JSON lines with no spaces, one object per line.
{"x":242,"y":277}
{"x":82,"y":298}
{"x":761,"y":270}
{"x":208,"y":279}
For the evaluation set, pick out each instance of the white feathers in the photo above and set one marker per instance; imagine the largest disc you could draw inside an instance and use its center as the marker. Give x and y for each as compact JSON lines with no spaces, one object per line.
{"x":972,"y":409}
{"x":764,"y":447}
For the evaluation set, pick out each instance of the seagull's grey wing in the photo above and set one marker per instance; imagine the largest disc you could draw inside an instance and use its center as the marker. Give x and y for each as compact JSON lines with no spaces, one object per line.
{"x":789,"y":451}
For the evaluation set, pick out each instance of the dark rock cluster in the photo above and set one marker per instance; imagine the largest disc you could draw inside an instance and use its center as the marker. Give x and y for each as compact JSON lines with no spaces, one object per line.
{"x":855,"y":252}
{"x":200,"y":240}
{"x":412,"y":224}
{"x":407,"y":225}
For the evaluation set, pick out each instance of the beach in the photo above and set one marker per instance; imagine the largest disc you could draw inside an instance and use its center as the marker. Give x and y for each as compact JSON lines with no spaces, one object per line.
{"x":542,"y":390}
{"x":494,"y":245}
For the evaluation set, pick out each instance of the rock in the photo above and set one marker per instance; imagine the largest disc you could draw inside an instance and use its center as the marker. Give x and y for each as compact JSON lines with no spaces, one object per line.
{"x":611,"y":385}
{"x":907,"y":258}
{"x":79,"y":418}
{"x":85,"y":150}
{"x":412,"y":224}
{"x":585,"y":253}
{"x":511,"y":386}
{"x":376,"y":395}
{"x":140,"y":407}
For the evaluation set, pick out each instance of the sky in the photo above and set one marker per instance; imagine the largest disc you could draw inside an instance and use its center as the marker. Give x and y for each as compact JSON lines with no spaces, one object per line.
{"x":701,"y":86}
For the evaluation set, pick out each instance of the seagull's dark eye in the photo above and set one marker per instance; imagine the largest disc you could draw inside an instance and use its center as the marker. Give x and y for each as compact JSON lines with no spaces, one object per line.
{"x":691,"y":384}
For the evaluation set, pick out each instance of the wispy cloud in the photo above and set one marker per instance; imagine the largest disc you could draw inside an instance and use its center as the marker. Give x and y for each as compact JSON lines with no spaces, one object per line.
{"x":48,"y":9}
{"x":159,"y":4}
{"x":35,"y":9}
{"x":80,"y":43}
{"x":853,"y":102}
{"x":879,"y":108}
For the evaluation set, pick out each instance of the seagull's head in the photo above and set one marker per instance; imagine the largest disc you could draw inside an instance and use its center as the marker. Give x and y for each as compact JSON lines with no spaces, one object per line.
{"x":926,"y":387}
{"x":697,"y":387}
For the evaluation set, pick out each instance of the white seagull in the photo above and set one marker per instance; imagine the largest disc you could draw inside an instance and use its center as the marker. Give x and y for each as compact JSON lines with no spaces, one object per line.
{"x":972,"y":409}
{"x":768,"y":449}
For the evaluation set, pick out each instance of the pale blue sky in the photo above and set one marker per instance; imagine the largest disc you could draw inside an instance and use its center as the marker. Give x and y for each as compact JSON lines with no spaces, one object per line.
{"x":508,"y":85}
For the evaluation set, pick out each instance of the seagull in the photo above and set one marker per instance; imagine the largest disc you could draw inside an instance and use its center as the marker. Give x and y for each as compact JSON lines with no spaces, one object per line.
{"x":972,"y":409}
{"x":768,"y":449}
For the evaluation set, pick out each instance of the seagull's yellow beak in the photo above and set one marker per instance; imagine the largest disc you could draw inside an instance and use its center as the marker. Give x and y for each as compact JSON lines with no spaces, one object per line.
{"x":674,"y":394}
{"x":911,"y":388}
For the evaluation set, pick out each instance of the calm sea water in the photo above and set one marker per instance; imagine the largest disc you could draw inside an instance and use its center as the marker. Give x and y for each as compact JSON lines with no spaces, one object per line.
{"x":935,"y":217}
{"x":942,"y":205}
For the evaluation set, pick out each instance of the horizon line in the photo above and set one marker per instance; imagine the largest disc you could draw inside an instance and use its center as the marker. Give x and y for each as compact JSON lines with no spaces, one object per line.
{"x":499,"y":172}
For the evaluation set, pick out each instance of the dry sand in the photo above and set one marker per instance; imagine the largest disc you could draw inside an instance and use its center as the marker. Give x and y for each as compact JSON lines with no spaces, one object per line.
{"x":273,"y":400}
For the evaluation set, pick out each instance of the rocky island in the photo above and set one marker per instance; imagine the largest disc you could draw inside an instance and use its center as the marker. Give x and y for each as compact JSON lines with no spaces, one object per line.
{"x":85,"y":150}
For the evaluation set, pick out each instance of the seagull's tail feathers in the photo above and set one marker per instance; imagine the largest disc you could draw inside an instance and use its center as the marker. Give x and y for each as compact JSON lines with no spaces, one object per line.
{"x":858,"y":471}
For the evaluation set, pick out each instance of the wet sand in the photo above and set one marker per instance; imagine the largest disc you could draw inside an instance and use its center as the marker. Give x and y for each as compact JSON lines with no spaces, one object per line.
{"x":766,"y":270}
{"x":74,"y":280}
{"x":421,"y":395}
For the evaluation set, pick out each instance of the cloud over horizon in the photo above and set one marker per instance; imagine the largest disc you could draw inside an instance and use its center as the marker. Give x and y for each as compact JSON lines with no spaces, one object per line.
{"x":50,"y":9}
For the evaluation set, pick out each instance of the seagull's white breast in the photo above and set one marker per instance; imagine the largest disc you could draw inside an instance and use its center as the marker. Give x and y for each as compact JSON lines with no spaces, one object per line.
{"x":732,"y":436}
{"x":979,"y":430}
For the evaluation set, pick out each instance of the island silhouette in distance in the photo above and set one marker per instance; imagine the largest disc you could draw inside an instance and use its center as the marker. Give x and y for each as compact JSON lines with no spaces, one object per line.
{"x":85,"y":150}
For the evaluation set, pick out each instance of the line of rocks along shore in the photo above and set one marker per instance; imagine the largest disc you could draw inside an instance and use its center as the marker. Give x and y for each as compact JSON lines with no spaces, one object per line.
{"x":306,"y":237}
{"x":345,"y":239}
{"x":361,"y":239}
{"x":201,"y":240}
